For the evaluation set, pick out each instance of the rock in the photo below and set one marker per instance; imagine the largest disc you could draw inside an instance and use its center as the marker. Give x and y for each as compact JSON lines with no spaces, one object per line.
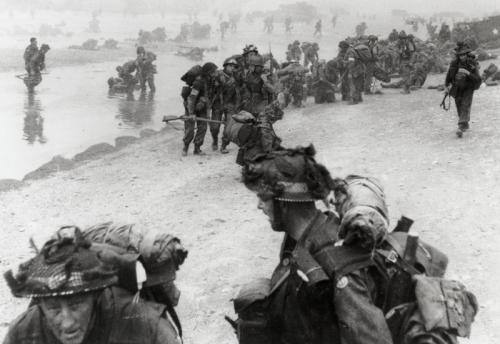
{"x":147,"y":133}
{"x":10,"y":184}
{"x":58,"y":163}
{"x":123,"y":141}
{"x":94,"y":152}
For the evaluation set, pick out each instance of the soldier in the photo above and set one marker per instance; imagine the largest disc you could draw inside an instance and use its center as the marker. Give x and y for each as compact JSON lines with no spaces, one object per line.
{"x":360,"y":29}
{"x":461,"y":81}
{"x":75,"y":300}
{"x":318,"y":29}
{"x":393,"y":36}
{"x":257,"y":90}
{"x":35,"y":67}
{"x":311,"y":54}
{"x":334,"y":21}
{"x":342,"y":278}
{"x":197,"y":105}
{"x":371,"y":63}
{"x":292,"y":78}
{"x":342,"y":67}
{"x":226,"y":100}
{"x":296,"y":52}
{"x":406,"y":49}
{"x":126,"y":79}
{"x":249,"y":51}
{"x":146,"y":69}
{"x":29,"y":52}
{"x":444,"y":33}
{"x":355,"y":70}
{"x":325,"y":79}
{"x":255,"y":135}
{"x":288,"y":24}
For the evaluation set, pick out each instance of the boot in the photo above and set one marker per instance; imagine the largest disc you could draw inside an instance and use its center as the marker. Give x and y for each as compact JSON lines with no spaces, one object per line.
{"x":223,"y":149}
{"x":215,"y":144}
{"x":185,"y":150}
{"x":459,"y":133}
{"x":198,"y":151}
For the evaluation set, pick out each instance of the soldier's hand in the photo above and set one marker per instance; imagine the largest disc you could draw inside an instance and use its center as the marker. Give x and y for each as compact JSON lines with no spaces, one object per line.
{"x":463,"y":70}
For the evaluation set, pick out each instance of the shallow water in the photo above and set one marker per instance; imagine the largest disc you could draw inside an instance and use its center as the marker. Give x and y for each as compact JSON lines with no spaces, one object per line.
{"x":71,"y":109}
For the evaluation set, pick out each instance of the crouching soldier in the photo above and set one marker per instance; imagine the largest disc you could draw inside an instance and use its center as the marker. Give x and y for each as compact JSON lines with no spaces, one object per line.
{"x":342,"y":277}
{"x":256,"y":135}
{"x":75,"y":300}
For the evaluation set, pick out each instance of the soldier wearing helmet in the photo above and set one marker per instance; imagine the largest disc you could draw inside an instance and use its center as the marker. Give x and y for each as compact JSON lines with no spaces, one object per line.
{"x":146,"y":69}
{"x":329,"y":287}
{"x":35,"y":67}
{"x":406,"y":48}
{"x":29,"y":52}
{"x":371,"y":63}
{"x":226,"y":100}
{"x":258,"y":90}
{"x":75,"y":300}
{"x":249,"y":51}
{"x":311,"y":54}
{"x":199,"y":104}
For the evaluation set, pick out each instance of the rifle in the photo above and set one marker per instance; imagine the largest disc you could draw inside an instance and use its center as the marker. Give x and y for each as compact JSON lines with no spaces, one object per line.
{"x":443,"y":102}
{"x":167,"y":119}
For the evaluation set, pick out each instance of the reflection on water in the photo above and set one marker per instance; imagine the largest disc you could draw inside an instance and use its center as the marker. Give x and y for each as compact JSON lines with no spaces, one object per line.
{"x":33,"y":120}
{"x":135,"y":112}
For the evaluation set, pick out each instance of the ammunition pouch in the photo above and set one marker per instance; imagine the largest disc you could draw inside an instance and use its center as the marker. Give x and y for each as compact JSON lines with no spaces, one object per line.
{"x":252,"y":305}
{"x":445,"y":305}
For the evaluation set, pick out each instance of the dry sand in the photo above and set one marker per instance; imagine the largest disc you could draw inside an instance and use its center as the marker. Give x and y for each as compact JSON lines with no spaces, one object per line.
{"x":448,"y":186}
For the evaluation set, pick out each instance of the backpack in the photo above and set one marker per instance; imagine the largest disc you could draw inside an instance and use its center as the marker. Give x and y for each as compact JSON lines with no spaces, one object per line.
{"x":190,"y":76}
{"x":364,"y":53}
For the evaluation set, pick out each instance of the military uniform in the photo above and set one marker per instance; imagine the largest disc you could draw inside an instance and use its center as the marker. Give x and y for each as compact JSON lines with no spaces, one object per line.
{"x":119,"y":319}
{"x":371,"y":64}
{"x":325,"y":79}
{"x":358,"y":291}
{"x":311,"y":55}
{"x":257,"y":90}
{"x":146,"y":71}
{"x":464,"y":78}
{"x":226,"y":100}
{"x":29,"y":52}
{"x":355,"y":75}
{"x":406,"y":49}
{"x":35,"y":66}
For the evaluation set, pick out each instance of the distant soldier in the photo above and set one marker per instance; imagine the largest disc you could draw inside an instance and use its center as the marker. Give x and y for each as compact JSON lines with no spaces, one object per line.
{"x":406,"y":49}
{"x":334,"y":21}
{"x":393,"y":36}
{"x":35,"y":66}
{"x":311,"y":54}
{"x":318,"y":29}
{"x":288,"y":24}
{"x":29,"y":52}
{"x":223,"y":27}
{"x":371,"y":63}
{"x":296,"y":51}
{"x":146,"y":69}
{"x":325,"y":79}
{"x":342,"y":67}
{"x":360,"y":29}
{"x":75,"y":301}
{"x":226,"y":99}
{"x":444,"y":33}
{"x":355,"y":75}
{"x":126,"y":80}
{"x":461,"y":81}
{"x":196,"y":102}
{"x":258,"y":91}
{"x":292,"y":79}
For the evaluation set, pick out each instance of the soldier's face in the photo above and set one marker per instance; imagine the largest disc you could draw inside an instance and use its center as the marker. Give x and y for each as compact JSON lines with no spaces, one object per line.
{"x":268,"y":208}
{"x":69,"y":318}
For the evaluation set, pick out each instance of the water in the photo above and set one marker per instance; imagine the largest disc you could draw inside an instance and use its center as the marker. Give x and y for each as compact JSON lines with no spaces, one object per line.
{"x":71,"y":109}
